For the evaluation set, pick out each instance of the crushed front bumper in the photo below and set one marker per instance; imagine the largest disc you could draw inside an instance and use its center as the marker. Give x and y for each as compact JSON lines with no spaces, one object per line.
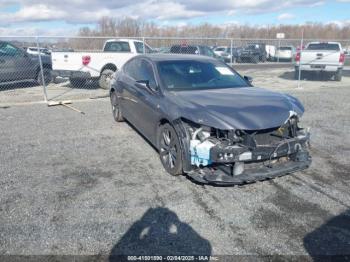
{"x":220,"y":175}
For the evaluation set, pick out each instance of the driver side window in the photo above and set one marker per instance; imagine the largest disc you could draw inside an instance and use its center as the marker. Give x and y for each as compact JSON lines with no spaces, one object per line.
{"x":146,"y":73}
{"x":141,"y":69}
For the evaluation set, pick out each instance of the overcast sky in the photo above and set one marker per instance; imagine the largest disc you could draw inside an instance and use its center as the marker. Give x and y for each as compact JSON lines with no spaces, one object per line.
{"x":64,"y":17}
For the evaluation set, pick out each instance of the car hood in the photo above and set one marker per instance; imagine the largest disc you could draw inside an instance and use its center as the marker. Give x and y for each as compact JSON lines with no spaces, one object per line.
{"x":246,"y":108}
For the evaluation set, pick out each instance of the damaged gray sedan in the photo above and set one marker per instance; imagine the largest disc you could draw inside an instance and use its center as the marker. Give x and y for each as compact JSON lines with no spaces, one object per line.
{"x":209,"y":122}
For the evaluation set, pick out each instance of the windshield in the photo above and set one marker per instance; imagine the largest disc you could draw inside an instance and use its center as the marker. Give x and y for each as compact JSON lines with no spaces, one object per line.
{"x":194,"y":75}
{"x":323,"y":46}
{"x":252,"y":47}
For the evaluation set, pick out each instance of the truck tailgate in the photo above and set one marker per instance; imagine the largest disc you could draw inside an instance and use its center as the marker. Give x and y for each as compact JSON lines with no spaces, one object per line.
{"x":320,"y":57}
{"x":67,"y":61}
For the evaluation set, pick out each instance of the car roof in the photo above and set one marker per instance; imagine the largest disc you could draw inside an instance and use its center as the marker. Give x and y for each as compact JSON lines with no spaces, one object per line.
{"x":325,"y":42}
{"x":122,"y":40}
{"x":175,"y":57}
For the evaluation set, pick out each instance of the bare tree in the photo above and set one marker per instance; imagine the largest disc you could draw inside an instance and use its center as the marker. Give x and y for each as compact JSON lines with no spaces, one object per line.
{"x":128,"y":27}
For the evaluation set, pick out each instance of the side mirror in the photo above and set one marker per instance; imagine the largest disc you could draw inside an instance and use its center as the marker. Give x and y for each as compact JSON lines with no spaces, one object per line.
{"x":248,"y":79}
{"x":145,"y":84}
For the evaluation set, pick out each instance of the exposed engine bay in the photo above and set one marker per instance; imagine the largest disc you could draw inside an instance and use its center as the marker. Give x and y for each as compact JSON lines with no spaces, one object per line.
{"x":244,"y":156}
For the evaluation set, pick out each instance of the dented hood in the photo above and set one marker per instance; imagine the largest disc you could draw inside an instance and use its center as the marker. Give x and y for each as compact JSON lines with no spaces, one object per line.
{"x":247,"y":108}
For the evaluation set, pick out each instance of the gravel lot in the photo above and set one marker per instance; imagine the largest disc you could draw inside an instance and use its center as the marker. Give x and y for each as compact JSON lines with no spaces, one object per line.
{"x":83,"y":184}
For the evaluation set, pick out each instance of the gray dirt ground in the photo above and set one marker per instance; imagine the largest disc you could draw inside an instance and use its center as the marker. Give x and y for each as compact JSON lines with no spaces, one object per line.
{"x":83,"y":184}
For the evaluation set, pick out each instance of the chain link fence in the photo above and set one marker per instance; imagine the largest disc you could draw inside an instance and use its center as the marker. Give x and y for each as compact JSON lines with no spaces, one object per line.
{"x":73,"y":68}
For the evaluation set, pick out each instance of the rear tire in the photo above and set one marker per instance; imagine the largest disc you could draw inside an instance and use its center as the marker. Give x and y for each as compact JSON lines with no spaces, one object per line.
{"x":47,"y":76}
{"x":105,"y":78}
{"x":170,"y":152}
{"x":338,"y":75}
{"x":116,"y":110}
{"x":77,"y":82}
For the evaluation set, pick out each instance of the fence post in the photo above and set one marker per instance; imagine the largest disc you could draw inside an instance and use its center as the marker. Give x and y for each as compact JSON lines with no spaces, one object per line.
{"x":41,"y":69}
{"x":301,"y":50}
{"x":278,"y":50}
{"x":231,"y":51}
{"x":144,"y":46}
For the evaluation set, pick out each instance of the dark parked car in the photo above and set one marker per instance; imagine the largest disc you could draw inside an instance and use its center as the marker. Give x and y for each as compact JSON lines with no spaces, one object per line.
{"x":194,"y":50}
{"x":208,"y":121}
{"x":17,"y":65}
{"x":253,"y":53}
{"x":236,"y":52}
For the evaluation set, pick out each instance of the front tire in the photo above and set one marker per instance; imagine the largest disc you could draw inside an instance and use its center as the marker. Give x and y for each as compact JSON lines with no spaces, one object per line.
{"x":170,"y":152}
{"x":116,"y":111}
{"x":105,"y":78}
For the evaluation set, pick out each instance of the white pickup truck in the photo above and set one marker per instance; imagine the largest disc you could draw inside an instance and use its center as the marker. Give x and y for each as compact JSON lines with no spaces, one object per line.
{"x":321,"y":57}
{"x":82,"y":66}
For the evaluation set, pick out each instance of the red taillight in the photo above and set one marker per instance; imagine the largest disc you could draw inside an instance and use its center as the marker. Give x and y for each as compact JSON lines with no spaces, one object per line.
{"x":342,"y":58}
{"x":297,"y":57}
{"x":86,"y":60}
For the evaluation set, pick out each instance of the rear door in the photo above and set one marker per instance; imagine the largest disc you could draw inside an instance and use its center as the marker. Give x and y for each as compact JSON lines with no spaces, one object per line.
{"x":147,"y":108}
{"x":127,"y":95}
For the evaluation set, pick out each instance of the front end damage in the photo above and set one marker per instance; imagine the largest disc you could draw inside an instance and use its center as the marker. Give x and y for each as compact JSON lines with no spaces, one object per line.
{"x":235,"y":157}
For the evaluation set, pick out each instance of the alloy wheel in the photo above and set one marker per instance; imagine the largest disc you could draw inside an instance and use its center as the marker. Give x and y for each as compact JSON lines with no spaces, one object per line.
{"x":168,"y":148}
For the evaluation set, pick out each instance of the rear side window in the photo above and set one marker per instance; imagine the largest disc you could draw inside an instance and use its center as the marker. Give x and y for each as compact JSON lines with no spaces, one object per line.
{"x":119,"y":46}
{"x":323,"y":46}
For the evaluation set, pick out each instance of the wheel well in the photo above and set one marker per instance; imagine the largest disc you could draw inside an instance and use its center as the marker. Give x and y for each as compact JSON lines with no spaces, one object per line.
{"x":112,"y":67}
{"x":163,"y":121}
